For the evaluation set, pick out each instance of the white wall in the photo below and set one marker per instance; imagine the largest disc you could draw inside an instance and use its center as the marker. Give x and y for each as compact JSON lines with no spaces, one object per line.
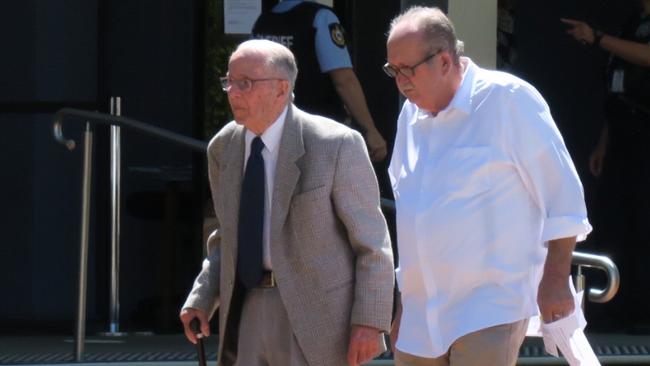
{"x":476,"y":25}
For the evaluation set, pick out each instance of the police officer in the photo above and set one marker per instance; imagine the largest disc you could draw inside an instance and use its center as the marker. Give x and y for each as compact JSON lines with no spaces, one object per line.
{"x":313,"y":33}
{"x":626,"y":140}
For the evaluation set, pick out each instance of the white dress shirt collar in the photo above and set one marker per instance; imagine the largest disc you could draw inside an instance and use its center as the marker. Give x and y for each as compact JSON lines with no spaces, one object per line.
{"x":270,"y":137}
{"x":462,"y":100}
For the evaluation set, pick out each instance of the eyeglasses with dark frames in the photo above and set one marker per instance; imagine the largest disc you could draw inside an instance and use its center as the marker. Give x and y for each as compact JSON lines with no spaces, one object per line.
{"x":243,"y":85}
{"x":408,"y":71}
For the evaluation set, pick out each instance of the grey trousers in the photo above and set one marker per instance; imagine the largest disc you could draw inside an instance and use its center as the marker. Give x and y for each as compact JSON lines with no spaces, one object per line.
{"x":498,"y":345}
{"x":265,"y":336}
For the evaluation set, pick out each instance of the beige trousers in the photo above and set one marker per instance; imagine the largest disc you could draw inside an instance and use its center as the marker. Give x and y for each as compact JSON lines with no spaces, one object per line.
{"x":494,"y":346}
{"x":265,"y":336}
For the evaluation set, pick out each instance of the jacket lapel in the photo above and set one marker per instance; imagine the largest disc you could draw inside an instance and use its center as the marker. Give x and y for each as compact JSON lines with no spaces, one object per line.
{"x":287,"y":172}
{"x":230,"y":187}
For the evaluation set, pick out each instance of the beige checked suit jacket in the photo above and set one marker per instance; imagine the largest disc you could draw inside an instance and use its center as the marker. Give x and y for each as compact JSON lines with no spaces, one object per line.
{"x":330,"y":246}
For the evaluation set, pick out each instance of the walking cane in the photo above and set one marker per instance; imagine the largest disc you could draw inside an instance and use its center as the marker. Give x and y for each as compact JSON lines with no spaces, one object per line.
{"x":195,"y":326}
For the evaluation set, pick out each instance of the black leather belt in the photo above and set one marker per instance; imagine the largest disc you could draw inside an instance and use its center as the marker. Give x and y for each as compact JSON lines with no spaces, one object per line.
{"x":267,"y":280}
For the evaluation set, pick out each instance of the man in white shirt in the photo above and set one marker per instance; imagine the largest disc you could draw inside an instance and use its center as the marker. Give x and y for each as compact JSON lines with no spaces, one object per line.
{"x":489,"y":204}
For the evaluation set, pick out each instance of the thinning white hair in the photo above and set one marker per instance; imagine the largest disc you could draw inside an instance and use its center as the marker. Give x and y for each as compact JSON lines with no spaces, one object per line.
{"x":437,"y":29}
{"x":276,"y":57}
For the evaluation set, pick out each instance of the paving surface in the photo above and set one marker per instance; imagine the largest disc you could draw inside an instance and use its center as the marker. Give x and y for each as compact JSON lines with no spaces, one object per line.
{"x":174,"y":350}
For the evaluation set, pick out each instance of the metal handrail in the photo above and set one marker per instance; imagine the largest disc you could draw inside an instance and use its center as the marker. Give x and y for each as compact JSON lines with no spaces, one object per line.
{"x":107,"y":119}
{"x":580,"y":260}
{"x":602,"y":263}
{"x":90,"y":118}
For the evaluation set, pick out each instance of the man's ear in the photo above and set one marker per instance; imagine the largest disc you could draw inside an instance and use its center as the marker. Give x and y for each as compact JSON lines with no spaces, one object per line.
{"x":284,"y":89}
{"x":445,"y":61}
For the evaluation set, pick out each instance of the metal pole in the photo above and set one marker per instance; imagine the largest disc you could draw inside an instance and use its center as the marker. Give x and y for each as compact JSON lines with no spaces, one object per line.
{"x":580,"y":284}
{"x":116,"y":110}
{"x":83,"y":252}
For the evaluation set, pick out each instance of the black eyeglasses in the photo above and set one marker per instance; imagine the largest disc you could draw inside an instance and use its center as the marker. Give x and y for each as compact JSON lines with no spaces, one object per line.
{"x":408,"y":71}
{"x":243,"y":85}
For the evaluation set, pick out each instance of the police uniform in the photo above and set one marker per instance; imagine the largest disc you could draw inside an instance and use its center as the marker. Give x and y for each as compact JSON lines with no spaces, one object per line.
{"x":627,"y":111}
{"x":317,"y":39}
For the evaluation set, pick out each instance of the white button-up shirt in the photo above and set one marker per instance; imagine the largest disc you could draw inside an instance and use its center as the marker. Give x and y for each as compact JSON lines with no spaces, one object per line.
{"x":271,"y":138}
{"x":479,"y":189}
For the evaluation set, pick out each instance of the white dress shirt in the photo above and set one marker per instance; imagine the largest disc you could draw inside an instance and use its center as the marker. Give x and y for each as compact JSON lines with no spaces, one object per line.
{"x":479,"y":189}
{"x":271,"y":138}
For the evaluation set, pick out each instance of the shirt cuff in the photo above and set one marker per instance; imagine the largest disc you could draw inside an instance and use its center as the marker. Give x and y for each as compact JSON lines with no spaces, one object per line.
{"x":565,"y":227}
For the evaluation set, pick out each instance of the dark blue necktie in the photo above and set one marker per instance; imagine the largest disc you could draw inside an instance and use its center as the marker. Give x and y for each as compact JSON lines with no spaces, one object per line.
{"x":251,"y":218}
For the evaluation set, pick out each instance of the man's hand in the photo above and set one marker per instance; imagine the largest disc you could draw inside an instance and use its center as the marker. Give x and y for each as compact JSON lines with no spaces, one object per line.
{"x":596,"y":161}
{"x":187,"y":315}
{"x":376,"y":145}
{"x":554,"y":295}
{"x":554,"y":298}
{"x":364,"y":344}
{"x":581,"y":31}
{"x":349,"y":90}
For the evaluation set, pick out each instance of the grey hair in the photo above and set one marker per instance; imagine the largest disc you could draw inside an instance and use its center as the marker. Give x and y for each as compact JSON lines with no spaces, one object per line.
{"x":276,"y":57}
{"x":437,"y":29}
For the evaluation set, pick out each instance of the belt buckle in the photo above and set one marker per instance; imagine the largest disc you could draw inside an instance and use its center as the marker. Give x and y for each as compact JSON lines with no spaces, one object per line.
{"x":268,"y":280}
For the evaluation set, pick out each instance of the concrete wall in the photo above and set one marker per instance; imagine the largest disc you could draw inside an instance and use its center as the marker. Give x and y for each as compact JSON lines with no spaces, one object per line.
{"x":476,"y":25}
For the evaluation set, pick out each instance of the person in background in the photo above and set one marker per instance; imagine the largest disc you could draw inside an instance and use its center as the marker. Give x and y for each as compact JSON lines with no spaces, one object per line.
{"x":625,"y":138}
{"x":313,"y":33}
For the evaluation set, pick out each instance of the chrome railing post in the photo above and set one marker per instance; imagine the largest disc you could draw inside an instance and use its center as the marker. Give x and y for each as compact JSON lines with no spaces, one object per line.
{"x":115,"y":145}
{"x":83,"y":251}
{"x":580,"y":282}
